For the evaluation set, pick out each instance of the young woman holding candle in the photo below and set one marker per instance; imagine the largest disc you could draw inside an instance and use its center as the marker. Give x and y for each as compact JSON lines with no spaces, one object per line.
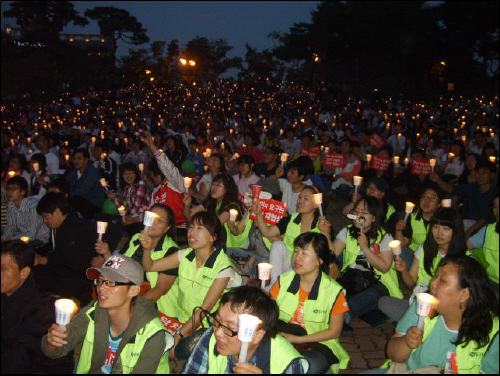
{"x":446,"y":237}
{"x":367,"y":272}
{"x":38,"y":180}
{"x":216,"y":165}
{"x":306,"y":219}
{"x":463,"y":337}
{"x":312,"y":305}
{"x":205,"y":271}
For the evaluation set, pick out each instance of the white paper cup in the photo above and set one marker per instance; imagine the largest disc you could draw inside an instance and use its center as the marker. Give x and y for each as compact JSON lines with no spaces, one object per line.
{"x":446,"y":203}
{"x":409,"y":207}
{"x":395,"y":246}
{"x":122,"y":210}
{"x":209,"y":152}
{"x":64,"y":311}
{"x":424,"y":303}
{"x":368,"y":157}
{"x":357,"y":180}
{"x":264,"y":271}
{"x":247,"y":325}
{"x":284,"y":158}
{"x":101,"y":227}
{"x":233,"y":214}
{"x":395,"y":160}
{"x":432,"y":162}
{"x":187,"y":182}
{"x":149,"y":218}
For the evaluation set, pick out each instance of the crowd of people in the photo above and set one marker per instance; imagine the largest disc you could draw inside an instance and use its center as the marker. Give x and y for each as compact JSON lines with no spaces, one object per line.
{"x":201,"y":183}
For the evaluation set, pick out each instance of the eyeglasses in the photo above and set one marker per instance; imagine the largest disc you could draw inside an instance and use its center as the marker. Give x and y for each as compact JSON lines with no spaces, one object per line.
{"x":99,"y":282}
{"x":433,"y":199}
{"x":216,"y":324}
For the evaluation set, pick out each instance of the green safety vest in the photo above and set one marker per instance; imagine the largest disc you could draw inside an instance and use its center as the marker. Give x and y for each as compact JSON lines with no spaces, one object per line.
{"x":130,"y":353}
{"x":390,"y":211}
{"x":192,"y":285}
{"x":281,"y":354}
{"x":164,"y":244}
{"x":422,"y":275}
{"x":389,"y":279}
{"x":419,"y":231}
{"x":317,"y":308}
{"x":469,"y":357}
{"x":490,"y":251}
{"x":234,"y":241}
{"x":293,"y":231}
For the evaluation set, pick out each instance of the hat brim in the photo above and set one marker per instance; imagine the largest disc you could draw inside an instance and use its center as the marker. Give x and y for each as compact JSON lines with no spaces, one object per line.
{"x":110,"y":275}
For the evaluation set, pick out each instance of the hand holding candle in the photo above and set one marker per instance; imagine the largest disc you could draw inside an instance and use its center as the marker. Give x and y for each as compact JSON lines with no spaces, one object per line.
{"x":247,"y":326}
{"x":101,"y":228}
{"x":409,"y":209}
{"x":149,"y":219}
{"x":425,"y":303}
{"x":233,"y":214}
{"x":64,"y":311}
{"x":284,"y":158}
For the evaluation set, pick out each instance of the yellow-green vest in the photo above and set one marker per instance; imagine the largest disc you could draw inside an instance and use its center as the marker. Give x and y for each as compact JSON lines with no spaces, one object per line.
{"x":469,"y":357}
{"x":130,"y":353}
{"x":317,"y":308}
{"x":282,"y":353}
{"x":191,"y":285}
{"x":236,"y":241}
{"x":389,"y":279}
{"x":490,"y":251}
{"x":293,"y":231}
{"x":390,"y":211}
{"x":422,"y":275}
{"x":419,"y":231}
{"x":161,"y":249}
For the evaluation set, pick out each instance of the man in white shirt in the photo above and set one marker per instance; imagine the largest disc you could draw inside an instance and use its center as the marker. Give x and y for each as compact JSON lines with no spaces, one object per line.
{"x":42,"y":143}
{"x":290,"y":145}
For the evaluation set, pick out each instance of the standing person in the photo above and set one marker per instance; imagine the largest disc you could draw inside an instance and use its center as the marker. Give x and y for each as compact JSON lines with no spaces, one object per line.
{"x":446,"y":237}
{"x":366,"y":272}
{"x":217,"y":351}
{"x":135,"y":197}
{"x":26,"y":314}
{"x":22,"y":218}
{"x":312,"y":305}
{"x":465,"y":327}
{"x":86,"y":192}
{"x":121,"y":331}
{"x":205,"y":271}
{"x":62,"y":270}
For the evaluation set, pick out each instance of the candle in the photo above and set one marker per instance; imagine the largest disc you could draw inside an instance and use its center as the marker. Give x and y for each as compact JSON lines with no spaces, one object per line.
{"x":451,"y":155}
{"x":318,"y":200}
{"x":432,"y":162}
{"x":64,"y":311}
{"x":464,"y":138}
{"x":368,"y":157}
{"x":406,"y":162}
{"x":446,"y":203}
{"x":264,"y":273}
{"x":409,"y":209}
{"x":247,"y":326}
{"x":103,"y":182}
{"x":149,"y":218}
{"x":11,"y":174}
{"x":122,"y":210}
{"x":66,"y":157}
{"x":493,"y":159}
{"x":25,"y":239}
{"x":424,"y":304}
{"x":233,"y":214}
{"x":395,"y":160}
{"x":209,"y":152}
{"x":36,"y":167}
{"x":357,"y":180}
{"x":141,"y":167}
{"x":101,"y":228}
{"x":395,"y":246}
{"x":187,"y":182}
{"x":284,"y":158}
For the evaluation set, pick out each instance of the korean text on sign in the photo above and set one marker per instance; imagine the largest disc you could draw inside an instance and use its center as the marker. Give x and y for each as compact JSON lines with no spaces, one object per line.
{"x":333,"y":160}
{"x":380,"y":163}
{"x":376,"y":141}
{"x":420,"y":167}
{"x":272,"y":211}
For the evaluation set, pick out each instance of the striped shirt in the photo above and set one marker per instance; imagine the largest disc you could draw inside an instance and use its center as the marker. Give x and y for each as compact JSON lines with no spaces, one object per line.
{"x":25,"y":221}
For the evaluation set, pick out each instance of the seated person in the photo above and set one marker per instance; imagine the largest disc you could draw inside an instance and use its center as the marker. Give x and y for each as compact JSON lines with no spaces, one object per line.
{"x":26,"y":314}
{"x":86,"y":191}
{"x":106,"y":165}
{"x":246,"y":176}
{"x":121,"y":331}
{"x":218,"y":349}
{"x":466,"y":325}
{"x":312,"y":305}
{"x":72,"y":239}
{"x":22,"y":218}
{"x":157,"y":240}
{"x":271,"y":158}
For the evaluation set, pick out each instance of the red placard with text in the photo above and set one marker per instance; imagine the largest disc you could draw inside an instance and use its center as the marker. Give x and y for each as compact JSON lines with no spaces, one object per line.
{"x":311,"y":153}
{"x":333,"y":160}
{"x":380,"y":163}
{"x":272,"y":211}
{"x":419,"y":167}
{"x":376,"y":141}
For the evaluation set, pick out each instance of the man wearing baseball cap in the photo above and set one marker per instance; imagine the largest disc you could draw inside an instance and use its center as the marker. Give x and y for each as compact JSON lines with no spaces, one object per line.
{"x":121,"y":331}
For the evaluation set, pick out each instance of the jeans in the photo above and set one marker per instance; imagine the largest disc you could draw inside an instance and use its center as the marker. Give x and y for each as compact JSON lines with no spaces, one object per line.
{"x":317,"y":362}
{"x":365,"y":301}
{"x":407,"y":255}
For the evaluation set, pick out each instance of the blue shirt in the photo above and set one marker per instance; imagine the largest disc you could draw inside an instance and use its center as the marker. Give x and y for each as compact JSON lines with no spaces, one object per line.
{"x":478,"y":203}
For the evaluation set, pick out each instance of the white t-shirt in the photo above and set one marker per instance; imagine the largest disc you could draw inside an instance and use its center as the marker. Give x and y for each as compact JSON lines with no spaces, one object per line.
{"x":52,"y":163}
{"x":291,"y":148}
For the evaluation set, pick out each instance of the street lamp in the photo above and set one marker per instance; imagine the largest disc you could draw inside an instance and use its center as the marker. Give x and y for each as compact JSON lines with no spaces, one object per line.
{"x":187,"y":63}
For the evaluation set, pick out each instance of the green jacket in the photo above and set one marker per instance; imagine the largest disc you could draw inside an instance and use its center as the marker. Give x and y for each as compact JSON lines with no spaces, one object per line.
{"x":143,"y":348}
{"x":419,"y":230}
{"x":490,"y":251}
{"x":317,"y":308}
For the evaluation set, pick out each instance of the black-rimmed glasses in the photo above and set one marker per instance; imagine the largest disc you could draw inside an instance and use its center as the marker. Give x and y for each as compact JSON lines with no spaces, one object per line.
{"x":216,"y":324}
{"x":99,"y":282}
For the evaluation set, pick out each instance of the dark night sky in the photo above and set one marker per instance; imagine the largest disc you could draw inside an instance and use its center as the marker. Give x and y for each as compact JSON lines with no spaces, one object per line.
{"x":238,"y":22}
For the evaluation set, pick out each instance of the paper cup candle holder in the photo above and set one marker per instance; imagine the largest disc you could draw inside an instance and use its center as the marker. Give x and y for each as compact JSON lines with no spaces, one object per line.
{"x":318,"y":200}
{"x":409,"y":209}
{"x":64,"y":311}
{"x":357,"y":180}
{"x":233,"y":214}
{"x":395,"y":246}
{"x":264,"y":273}
{"x":101,"y":228}
{"x":284,"y":158}
{"x":187,"y":182}
{"x":247,"y":326}
{"x":149,"y":219}
{"x":425,"y":303}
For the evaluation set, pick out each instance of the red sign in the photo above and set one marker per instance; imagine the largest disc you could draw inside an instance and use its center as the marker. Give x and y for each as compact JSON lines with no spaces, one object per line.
{"x":333,"y":160}
{"x":380,"y":163}
{"x":170,"y":323}
{"x":272,"y":211}
{"x":419,"y":167}
{"x":311,"y":153}
{"x":376,"y":141}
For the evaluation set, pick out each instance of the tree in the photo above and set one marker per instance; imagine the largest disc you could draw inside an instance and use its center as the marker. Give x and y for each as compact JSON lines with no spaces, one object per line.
{"x":43,"y":21}
{"x":157,"y":49}
{"x":118,"y":24}
{"x":262,"y":63}
{"x":134,"y":65}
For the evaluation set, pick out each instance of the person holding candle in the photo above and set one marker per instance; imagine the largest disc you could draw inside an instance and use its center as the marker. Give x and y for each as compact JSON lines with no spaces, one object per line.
{"x":312,"y":305}
{"x":463,"y":336}
{"x":271,"y":160}
{"x":120,"y":331}
{"x":306,"y":219}
{"x":26,"y":314}
{"x":218,"y":349}
{"x":106,"y":165}
{"x":351,"y":167}
{"x":215,"y":165}
{"x":251,"y":140}
{"x":205,"y":271}
{"x":246,"y":176}
{"x":455,"y":164}
{"x":17,"y":163}
{"x":367,"y":259}
{"x":42,"y":143}
{"x":38,"y":178}
{"x":136,"y":154}
{"x":446,"y":237}
{"x":135,"y":198}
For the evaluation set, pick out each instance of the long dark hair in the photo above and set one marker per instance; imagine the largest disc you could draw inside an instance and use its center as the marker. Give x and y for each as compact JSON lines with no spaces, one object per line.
{"x":319,"y":243}
{"x":129,"y":166}
{"x":445,"y":217}
{"x":230,"y":199}
{"x":375,"y":208}
{"x":482,"y":307}
{"x":212,"y":223}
